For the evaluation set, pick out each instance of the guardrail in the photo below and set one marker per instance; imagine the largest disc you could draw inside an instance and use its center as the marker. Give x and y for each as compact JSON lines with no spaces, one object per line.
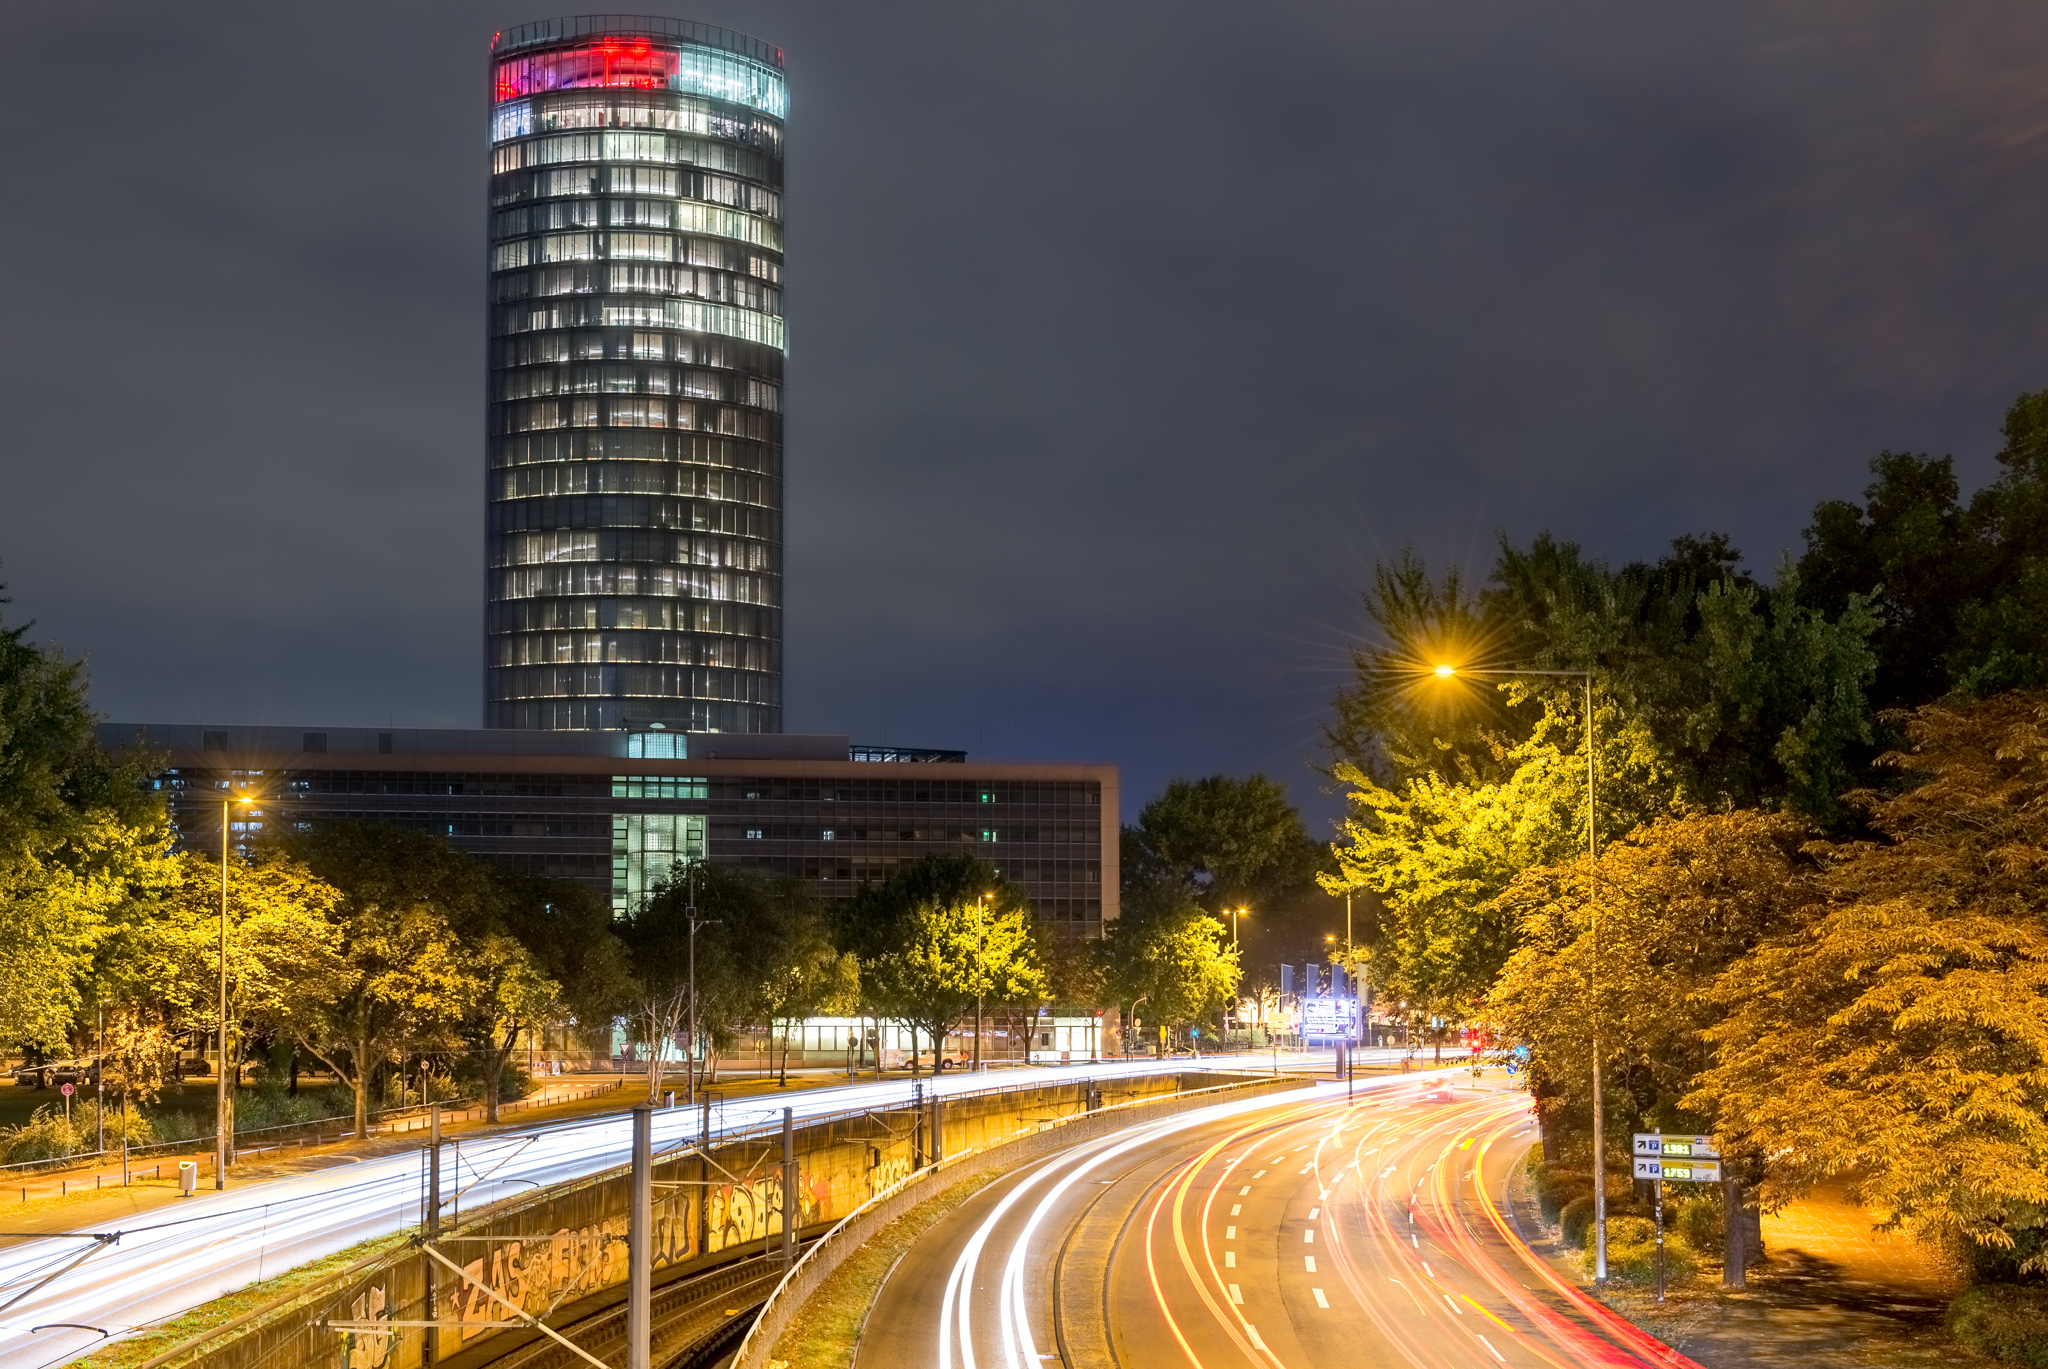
{"x":316,"y":1132}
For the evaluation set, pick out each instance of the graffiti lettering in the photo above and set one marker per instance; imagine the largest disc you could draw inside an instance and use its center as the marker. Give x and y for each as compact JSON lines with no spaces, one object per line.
{"x":369,"y":1349}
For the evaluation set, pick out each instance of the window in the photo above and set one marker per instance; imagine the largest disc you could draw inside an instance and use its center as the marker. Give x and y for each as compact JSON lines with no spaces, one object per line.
{"x":648,"y":346}
{"x":567,"y":247}
{"x":753,"y":834}
{"x":313,"y":741}
{"x":658,"y":786}
{"x":642,"y":247}
{"x":645,"y":848}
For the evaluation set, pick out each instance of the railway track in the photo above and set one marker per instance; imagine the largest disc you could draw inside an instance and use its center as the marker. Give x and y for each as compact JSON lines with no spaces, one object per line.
{"x":694,"y":1319}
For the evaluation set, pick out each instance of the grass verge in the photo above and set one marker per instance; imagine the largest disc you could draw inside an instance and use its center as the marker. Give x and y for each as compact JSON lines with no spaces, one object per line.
{"x":826,"y":1332}
{"x":146,"y":1345}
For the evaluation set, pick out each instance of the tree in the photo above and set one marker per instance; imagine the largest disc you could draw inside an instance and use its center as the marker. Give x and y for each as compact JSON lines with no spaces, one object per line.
{"x":1439,"y":853}
{"x":805,"y":977}
{"x":81,"y":840}
{"x":1959,"y":589}
{"x":568,"y":933}
{"x":741,"y":954}
{"x":1177,"y":964}
{"x":403,"y":977}
{"x":1745,"y":694}
{"x":1678,"y":900}
{"x":1900,"y":1031}
{"x":159,"y":968}
{"x":1221,"y":842}
{"x":514,"y":995}
{"x":952,"y":953}
{"x":877,"y":921}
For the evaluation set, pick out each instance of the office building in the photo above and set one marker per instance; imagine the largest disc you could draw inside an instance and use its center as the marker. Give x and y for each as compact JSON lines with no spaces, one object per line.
{"x":636,"y":343}
{"x":614,"y":810}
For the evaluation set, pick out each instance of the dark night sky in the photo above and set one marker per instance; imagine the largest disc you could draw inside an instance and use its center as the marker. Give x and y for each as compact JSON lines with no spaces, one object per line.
{"x":1125,"y":335}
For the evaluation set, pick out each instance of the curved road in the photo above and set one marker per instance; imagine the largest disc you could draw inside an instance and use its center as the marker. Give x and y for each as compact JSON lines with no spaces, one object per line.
{"x":1292,"y":1232}
{"x":173,"y":1258}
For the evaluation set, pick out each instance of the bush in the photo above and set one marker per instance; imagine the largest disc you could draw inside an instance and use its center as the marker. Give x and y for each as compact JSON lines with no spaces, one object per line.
{"x":271,"y":1106}
{"x":1632,"y":1252}
{"x":47,"y":1136}
{"x":1700,"y":1222}
{"x":1577,"y":1220}
{"x":1557,"y":1185}
{"x":2007,"y":1321}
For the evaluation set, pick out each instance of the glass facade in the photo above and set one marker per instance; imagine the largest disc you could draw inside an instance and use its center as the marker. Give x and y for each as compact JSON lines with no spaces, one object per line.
{"x":634,"y":408}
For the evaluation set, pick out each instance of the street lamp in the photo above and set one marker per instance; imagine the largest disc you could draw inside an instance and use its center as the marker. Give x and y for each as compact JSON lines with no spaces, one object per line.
{"x":1234,"y":914}
{"x":223,"y":1119}
{"x":1445,"y":672}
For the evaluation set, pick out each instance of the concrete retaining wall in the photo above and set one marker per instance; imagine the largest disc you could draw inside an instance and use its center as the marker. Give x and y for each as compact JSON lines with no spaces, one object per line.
{"x":709,"y":1207}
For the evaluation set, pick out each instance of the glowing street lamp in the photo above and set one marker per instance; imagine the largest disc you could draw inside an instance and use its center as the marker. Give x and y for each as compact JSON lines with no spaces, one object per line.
{"x":1445,"y":671}
{"x":223,"y":1120}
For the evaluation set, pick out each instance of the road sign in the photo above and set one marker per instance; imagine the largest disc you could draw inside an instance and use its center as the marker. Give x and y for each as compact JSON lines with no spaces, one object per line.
{"x":1687,"y":1147}
{"x":67,"y":1090}
{"x":1679,"y":1171}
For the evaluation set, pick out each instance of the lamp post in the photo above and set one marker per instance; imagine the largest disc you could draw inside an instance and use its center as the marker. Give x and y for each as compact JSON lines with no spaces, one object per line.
{"x":223,"y":1119}
{"x":1235,"y":914}
{"x":1593,"y":968}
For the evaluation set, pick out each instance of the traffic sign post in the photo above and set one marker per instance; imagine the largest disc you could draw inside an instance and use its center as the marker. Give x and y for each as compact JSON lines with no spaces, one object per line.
{"x":1682,"y":1159}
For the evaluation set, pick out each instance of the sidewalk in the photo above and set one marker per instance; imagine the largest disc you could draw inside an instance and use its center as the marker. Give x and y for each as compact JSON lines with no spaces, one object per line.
{"x":1833,"y":1295}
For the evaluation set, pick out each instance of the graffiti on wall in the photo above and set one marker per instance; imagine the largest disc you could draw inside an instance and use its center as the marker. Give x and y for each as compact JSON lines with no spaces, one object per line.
{"x":752,"y":1211}
{"x":369,"y":1349}
{"x":538,"y":1275}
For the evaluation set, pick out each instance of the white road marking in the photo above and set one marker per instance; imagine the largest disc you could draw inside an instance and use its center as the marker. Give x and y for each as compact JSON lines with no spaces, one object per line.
{"x":1229,"y":1233}
{"x":1489,"y":1348}
{"x":1260,"y":1175}
{"x":1236,"y":1208}
{"x":1236,"y":1296}
{"x":1230,"y":1259}
{"x":1427,"y":1270}
{"x":1246,"y":1189}
{"x":1308,"y":1237}
{"x":1311,"y":1263}
{"x":1258,"y":1344}
{"x":1312,"y":1213}
{"x":1321,"y":1301}
{"x":1454,"y":1306}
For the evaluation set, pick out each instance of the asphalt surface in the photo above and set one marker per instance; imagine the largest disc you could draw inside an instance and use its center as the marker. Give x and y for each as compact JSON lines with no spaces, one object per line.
{"x":1298,"y":1231}
{"x":58,"y":1294}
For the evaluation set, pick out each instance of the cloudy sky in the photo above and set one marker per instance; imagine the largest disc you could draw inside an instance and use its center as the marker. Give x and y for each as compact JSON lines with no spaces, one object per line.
{"x":1125,"y":336}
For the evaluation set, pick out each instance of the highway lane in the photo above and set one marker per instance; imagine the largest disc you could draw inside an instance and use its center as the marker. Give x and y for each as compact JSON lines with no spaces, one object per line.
{"x":175,"y":1258}
{"x":1279,"y":1232}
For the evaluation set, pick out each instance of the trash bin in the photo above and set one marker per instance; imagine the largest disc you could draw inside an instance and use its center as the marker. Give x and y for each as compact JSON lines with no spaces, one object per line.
{"x":188,"y":1177}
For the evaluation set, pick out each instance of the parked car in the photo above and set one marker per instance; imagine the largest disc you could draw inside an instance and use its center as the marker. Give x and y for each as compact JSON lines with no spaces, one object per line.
{"x":55,"y":1072}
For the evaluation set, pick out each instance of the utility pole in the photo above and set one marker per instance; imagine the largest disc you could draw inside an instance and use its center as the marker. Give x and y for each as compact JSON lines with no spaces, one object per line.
{"x":430,"y":1227}
{"x":789,"y":1196}
{"x":223,"y":1120}
{"x":978,"y":959}
{"x":690,"y":1065}
{"x":640,"y":1244}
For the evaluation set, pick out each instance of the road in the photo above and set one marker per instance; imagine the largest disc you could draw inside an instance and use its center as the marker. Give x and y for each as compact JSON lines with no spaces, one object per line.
{"x":61,"y":1293}
{"x":1293,"y":1232}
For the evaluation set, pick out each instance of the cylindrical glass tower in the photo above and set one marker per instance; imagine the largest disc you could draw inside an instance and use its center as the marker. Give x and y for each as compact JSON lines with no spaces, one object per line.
{"x":635,"y":407}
